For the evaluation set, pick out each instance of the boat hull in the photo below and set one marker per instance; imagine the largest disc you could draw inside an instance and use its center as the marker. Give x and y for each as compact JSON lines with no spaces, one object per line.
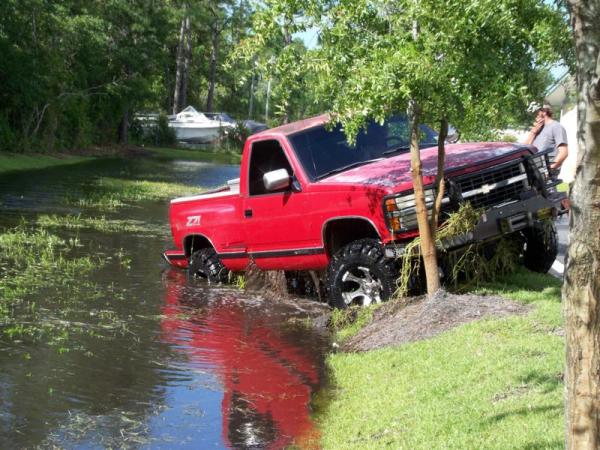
{"x":196,"y":134}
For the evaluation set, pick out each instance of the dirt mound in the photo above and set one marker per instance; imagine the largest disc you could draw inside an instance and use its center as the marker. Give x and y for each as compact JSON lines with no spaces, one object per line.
{"x":399,"y":323}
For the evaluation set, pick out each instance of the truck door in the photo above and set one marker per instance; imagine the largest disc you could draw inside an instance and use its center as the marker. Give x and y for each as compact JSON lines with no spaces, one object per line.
{"x":277,"y":234}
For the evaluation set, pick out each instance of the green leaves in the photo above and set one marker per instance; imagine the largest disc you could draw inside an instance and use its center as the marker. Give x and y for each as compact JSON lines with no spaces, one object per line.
{"x":476,"y":62}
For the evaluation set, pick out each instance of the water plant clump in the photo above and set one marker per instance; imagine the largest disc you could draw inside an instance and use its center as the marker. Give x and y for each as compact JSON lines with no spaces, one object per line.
{"x":111,"y":193}
{"x":32,"y":261}
{"x":101,"y":223}
{"x":472,"y":264}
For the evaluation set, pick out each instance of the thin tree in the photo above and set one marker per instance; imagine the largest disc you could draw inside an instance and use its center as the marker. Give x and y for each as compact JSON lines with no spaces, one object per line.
{"x":581,"y":290}
{"x":184,"y":51}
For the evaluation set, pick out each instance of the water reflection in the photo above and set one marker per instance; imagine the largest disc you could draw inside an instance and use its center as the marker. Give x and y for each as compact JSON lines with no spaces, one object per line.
{"x":135,"y":361}
{"x":267,"y":370}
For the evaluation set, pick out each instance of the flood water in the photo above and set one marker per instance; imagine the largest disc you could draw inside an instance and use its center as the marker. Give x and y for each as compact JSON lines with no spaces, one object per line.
{"x":136,"y":354}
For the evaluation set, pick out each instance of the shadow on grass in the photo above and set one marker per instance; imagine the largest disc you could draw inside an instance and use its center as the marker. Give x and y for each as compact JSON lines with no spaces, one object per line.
{"x":547,"y":382}
{"x":544,"y":445}
{"x":525,"y":412}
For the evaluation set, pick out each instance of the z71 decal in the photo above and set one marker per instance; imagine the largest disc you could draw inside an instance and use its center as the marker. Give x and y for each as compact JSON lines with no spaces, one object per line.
{"x":193,"y":221}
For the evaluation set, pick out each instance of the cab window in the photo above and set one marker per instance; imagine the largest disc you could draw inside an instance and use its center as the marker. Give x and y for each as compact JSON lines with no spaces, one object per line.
{"x":265,"y":156}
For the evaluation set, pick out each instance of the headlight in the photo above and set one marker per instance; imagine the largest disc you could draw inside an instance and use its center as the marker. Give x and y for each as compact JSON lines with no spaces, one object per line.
{"x":401,"y":211}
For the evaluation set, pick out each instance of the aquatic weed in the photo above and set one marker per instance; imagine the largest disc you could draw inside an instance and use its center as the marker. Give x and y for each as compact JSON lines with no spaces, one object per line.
{"x":111,"y":193}
{"x":101,"y":223}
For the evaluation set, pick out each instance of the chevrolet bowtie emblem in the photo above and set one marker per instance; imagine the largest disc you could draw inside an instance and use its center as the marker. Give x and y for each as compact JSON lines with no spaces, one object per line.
{"x":486,"y":188}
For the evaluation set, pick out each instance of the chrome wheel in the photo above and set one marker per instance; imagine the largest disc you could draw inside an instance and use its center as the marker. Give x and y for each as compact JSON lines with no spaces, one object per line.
{"x":360,"y":287}
{"x":360,"y":274}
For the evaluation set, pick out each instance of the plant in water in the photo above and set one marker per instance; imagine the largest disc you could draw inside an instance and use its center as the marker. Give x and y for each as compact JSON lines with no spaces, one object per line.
{"x":95,"y":223}
{"x":32,"y":260}
{"x":112,"y":193}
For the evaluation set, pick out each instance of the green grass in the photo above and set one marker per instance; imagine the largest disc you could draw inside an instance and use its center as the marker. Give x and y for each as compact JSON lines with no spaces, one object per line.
{"x":347,"y":322}
{"x":10,"y":162}
{"x":226,"y":157}
{"x":111,"y":193}
{"x":490,"y":384}
{"x":101,"y":223}
{"x":32,"y":260}
{"x":14,"y":162}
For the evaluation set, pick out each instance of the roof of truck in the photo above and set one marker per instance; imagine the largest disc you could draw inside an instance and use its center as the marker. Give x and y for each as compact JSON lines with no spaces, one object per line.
{"x":294,"y":127}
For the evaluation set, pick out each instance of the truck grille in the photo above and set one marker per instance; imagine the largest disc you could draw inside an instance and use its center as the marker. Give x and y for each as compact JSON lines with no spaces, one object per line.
{"x":495,"y":186}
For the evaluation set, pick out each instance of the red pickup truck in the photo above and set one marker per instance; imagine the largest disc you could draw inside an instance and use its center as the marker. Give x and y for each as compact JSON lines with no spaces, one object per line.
{"x":307,"y":200}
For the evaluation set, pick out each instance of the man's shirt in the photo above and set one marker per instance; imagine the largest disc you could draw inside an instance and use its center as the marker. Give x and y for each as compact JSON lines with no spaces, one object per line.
{"x":552,"y":135}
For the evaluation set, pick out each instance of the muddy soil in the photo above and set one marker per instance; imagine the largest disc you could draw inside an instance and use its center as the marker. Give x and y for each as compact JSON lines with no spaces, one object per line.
{"x":421,"y":318}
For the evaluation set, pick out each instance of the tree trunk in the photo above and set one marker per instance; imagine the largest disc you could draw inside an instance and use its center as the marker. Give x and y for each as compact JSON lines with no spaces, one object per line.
{"x":123,"y":137}
{"x":251,"y":101}
{"x":213,"y":70}
{"x":187,"y":59}
{"x":182,"y":72}
{"x":581,"y":290}
{"x":440,"y":184}
{"x":428,"y":251}
{"x":179,"y":68}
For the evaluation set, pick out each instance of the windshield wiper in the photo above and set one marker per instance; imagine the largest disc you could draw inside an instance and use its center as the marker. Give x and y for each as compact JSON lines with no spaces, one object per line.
{"x":397,"y":149}
{"x":347,"y":167}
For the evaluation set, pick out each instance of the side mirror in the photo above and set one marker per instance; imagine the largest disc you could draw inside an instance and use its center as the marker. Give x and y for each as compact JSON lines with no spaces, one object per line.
{"x":276,"y":180}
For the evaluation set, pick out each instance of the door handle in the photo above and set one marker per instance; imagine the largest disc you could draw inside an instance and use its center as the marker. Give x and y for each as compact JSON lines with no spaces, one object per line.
{"x":247,"y":213}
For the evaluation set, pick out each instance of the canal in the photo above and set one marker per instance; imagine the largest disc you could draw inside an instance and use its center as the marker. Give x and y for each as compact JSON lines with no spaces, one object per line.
{"x":102,"y":345}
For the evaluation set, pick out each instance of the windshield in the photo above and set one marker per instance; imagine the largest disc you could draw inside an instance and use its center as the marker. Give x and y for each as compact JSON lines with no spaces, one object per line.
{"x":322,"y":152}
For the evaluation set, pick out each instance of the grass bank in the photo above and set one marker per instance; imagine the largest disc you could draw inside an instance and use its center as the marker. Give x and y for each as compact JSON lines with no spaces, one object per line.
{"x":223,"y":157}
{"x":491,"y":384}
{"x":10,"y":162}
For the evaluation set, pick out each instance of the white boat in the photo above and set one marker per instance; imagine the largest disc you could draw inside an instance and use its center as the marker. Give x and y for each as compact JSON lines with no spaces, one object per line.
{"x":193,"y":126}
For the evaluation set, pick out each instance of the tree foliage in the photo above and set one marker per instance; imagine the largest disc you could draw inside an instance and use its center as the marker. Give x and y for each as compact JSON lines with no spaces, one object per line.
{"x":74,"y":73}
{"x":478,"y":63}
{"x":474,"y":63}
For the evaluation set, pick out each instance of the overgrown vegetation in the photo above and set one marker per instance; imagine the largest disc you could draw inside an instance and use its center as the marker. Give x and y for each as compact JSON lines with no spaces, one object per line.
{"x":487,"y":384}
{"x":75,"y":74}
{"x":111,"y":193}
{"x":100,"y":223}
{"x":347,"y":322}
{"x":32,"y":260}
{"x":473,"y":264}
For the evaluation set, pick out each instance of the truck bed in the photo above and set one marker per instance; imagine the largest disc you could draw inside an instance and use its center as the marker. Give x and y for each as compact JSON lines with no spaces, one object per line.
{"x":231,"y":188}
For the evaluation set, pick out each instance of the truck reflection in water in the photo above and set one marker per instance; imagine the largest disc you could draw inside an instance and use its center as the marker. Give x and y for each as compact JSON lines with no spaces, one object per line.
{"x":268,"y":370}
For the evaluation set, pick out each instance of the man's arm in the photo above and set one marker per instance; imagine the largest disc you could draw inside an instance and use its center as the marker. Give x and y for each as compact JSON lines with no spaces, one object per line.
{"x":535,"y":130}
{"x":562,"y":152}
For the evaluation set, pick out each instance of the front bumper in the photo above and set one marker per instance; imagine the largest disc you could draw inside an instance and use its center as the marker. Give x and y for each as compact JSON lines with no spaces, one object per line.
{"x":499,"y":221}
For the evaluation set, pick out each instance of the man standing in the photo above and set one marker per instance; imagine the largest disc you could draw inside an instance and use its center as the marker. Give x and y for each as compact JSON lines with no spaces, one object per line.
{"x":547,"y":132}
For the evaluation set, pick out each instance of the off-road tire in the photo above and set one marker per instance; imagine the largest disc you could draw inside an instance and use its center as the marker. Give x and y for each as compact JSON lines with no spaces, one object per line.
{"x":205,"y":263}
{"x":362,"y":259}
{"x":541,"y":246}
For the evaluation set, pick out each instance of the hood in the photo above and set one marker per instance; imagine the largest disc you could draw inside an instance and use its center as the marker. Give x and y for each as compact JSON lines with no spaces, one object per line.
{"x":395,"y":172}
